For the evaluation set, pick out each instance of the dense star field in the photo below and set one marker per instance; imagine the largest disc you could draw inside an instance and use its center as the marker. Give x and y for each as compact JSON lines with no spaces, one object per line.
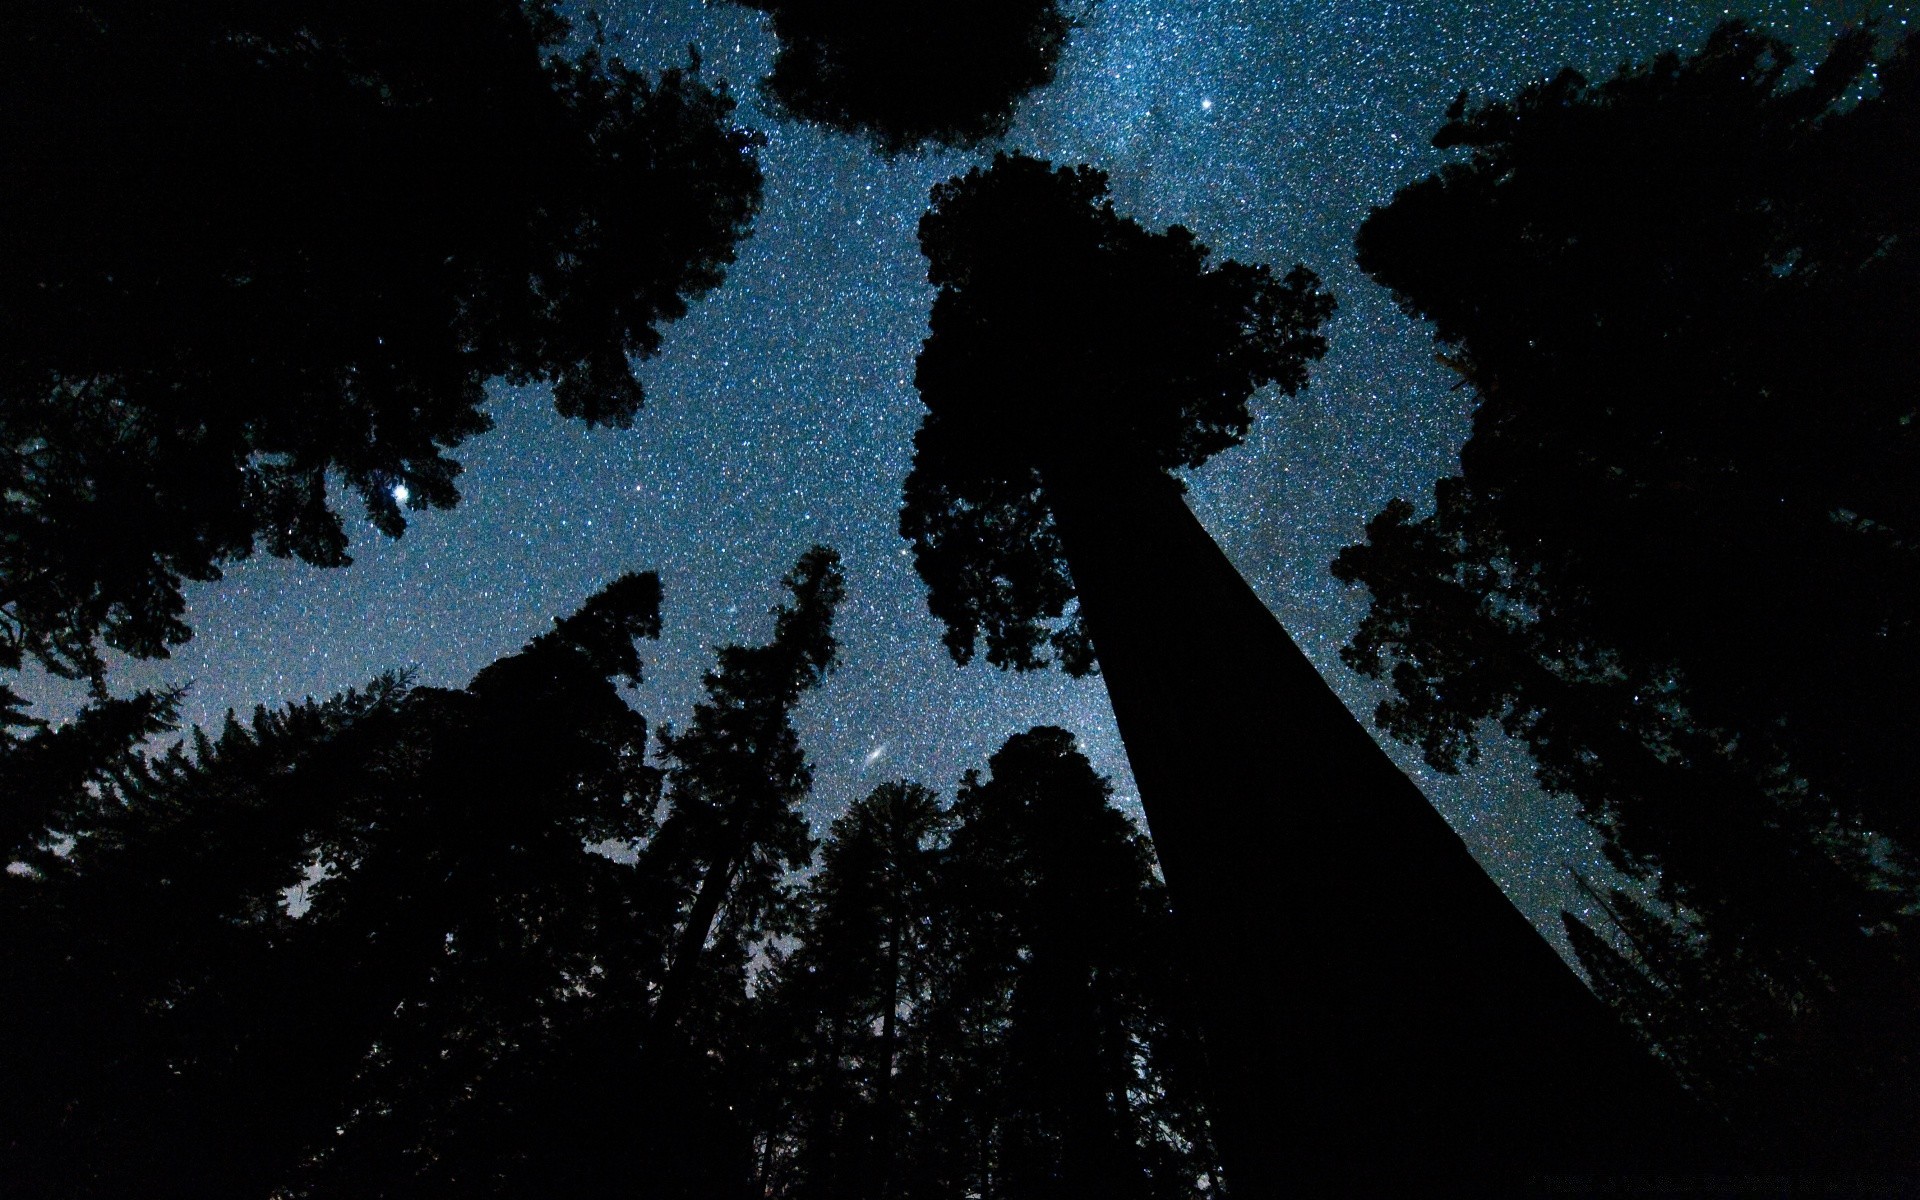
{"x":782,"y":409}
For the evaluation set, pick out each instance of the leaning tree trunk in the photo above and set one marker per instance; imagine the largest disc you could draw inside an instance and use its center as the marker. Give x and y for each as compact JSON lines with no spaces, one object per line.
{"x":1379,"y":1016}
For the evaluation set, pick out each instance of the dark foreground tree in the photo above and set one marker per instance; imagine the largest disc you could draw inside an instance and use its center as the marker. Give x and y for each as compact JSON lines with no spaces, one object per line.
{"x":178,"y":1028}
{"x":1400,"y":1024}
{"x":985,"y":1001}
{"x":48,"y":770}
{"x":137,"y":966}
{"x":840,"y":1019}
{"x":1679,"y":560}
{"x":906,"y":74}
{"x":1062,"y":1015}
{"x":244,"y":249}
{"x":654,"y":1088}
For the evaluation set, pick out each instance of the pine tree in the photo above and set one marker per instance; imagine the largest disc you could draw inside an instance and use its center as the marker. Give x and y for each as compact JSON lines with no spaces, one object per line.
{"x":150,"y":1014}
{"x":653,"y":1086}
{"x":840,"y":1014}
{"x":1677,"y":560}
{"x":245,"y":249}
{"x":1062,"y":969}
{"x":48,"y":773}
{"x":190,"y":1033}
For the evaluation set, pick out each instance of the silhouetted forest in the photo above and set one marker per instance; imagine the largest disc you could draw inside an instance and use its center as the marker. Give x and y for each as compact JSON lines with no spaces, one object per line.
{"x":247,"y":249}
{"x":514,"y":939}
{"x":425,"y":941}
{"x":1678,"y":560}
{"x":904,"y":75}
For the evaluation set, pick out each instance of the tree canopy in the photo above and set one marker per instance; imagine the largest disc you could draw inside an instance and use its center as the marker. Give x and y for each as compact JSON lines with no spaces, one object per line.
{"x":431,"y":942}
{"x":986,"y":1000}
{"x":907,"y":74}
{"x":1678,"y":559}
{"x":165,"y":996}
{"x":1063,"y":337}
{"x":250,"y":253}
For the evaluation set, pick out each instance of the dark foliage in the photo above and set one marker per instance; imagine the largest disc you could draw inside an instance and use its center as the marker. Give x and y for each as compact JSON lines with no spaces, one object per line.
{"x":178,"y":1027}
{"x":367,"y":948}
{"x":49,"y":772}
{"x":907,"y":74}
{"x":985,"y":1001}
{"x":654,"y":1083}
{"x":1679,"y":558}
{"x":1064,"y":338}
{"x":840,"y":1022}
{"x":244,"y":249}
{"x":738,"y":776}
{"x":137,"y":967}
{"x":1063,"y":977}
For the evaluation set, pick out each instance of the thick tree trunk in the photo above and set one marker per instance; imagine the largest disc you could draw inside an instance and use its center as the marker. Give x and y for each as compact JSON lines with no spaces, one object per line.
{"x":1379,"y":1016}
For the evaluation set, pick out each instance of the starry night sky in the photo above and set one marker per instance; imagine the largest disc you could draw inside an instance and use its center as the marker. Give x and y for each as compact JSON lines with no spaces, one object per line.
{"x":782,"y":410}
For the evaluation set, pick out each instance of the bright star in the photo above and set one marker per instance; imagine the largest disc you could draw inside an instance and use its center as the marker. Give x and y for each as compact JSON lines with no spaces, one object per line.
{"x":1206,"y":105}
{"x":400,"y":493}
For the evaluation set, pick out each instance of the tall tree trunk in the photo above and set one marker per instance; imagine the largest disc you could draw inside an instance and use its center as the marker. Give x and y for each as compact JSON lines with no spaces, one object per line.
{"x":691,"y":947}
{"x":1378,"y":1014}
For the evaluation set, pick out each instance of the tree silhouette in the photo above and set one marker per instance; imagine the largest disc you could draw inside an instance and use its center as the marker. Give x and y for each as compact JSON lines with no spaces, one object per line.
{"x":737,"y":777}
{"x":1405,"y":1023}
{"x":1062,"y":964}
{"x":984,"y":1001}
{"x":182,"y":1031}
{"x":48,"y":773}
{"x":242,"y":250}
{"x":1040,"y":282}
{"x":906,"y":74}
{"x":1677,"y":560}
{"x":836,"y":1114}
{"x":657,"y":1079}
{"x":139,"y":963}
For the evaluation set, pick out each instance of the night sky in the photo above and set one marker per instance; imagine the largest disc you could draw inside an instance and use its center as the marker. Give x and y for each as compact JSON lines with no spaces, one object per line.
{"x":782,"y":410}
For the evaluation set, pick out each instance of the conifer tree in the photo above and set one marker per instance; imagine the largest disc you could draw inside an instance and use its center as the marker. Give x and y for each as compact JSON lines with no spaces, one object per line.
{"x":1677,"y":561}
{"x":248,"y":248}
{"x":984,"y":1001}
{"x":840,"y":1015}
{"x":47,"y":772}
{"x":737,"y":776}
{"x":148,"y":1013}
{"x":188,"y":1032}
{"x":1410,"y":1024}
{"x":1062,"y":968}
{"x":654,"y":1086}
